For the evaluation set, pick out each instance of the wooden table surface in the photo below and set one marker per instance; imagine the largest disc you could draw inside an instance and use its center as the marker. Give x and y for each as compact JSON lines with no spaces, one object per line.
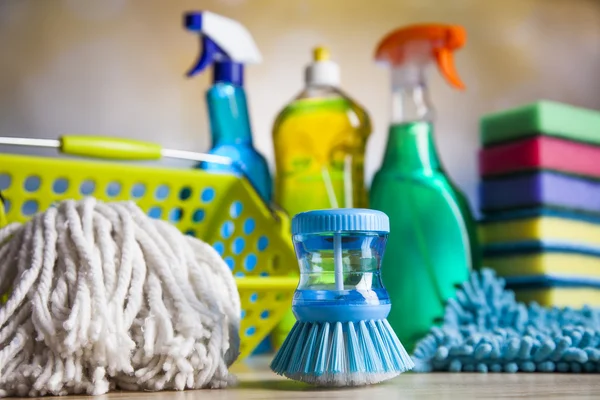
{"x":257,"y":382}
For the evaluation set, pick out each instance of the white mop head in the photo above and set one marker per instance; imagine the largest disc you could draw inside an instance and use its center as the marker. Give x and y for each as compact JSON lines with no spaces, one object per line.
{"x":103,"y":297}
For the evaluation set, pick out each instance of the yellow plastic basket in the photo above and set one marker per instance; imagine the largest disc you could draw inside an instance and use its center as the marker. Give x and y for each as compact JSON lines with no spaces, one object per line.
{"x":220,"y":208}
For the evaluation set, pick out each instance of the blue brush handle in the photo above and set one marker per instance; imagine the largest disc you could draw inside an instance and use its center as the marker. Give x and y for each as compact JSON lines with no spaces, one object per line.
{"x":341,"y":306}
{"x":341,"y":313}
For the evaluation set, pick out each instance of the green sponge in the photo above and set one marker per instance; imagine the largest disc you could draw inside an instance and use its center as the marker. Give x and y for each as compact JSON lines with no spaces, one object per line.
{"x":541,"y":118}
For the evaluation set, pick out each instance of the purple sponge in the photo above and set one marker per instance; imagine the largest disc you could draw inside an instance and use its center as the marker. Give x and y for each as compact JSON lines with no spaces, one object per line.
{"x":540,"y":189}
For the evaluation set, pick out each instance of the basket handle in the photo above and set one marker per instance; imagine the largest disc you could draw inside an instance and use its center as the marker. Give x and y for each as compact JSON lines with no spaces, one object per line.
{"x":109,"y":148}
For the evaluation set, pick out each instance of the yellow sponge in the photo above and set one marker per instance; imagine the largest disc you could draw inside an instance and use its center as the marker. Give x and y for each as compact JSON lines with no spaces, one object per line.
{"x":536,"y":264}
{"x":548,"y":256}
{"x":536,"y":271}
{"x":541,"y":227}
{"x":560,"y":297}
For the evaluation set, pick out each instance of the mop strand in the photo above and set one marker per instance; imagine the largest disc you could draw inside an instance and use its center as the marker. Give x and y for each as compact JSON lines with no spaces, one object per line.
{"x":103,"y":297}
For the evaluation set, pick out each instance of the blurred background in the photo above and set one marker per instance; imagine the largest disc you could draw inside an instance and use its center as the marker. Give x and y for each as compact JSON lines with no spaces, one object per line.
{"x":116,"y":67}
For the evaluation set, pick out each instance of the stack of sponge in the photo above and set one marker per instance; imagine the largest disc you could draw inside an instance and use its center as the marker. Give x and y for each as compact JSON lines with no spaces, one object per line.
{"x":540,"y":200}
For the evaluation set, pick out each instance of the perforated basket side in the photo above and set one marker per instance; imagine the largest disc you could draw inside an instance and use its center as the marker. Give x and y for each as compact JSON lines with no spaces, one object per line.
{"x":219,"y":208}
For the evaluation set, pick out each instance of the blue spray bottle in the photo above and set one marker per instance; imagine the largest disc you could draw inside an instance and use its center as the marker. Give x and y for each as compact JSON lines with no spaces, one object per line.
{"x":227,"y":46}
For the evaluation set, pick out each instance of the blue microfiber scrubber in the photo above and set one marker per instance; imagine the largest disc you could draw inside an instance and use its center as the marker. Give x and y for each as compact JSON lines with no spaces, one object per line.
{"x":486,"y":330}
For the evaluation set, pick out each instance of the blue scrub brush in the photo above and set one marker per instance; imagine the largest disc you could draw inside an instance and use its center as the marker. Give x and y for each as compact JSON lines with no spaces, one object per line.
{"x":341,"y":337}
{"x":486,"y":330}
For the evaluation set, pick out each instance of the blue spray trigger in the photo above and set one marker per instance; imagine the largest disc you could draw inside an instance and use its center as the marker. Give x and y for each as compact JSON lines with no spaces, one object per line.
{"x":193,"y":21}
{"x":225,"y":70}
{"x":210,"y":53}
{"x":226,"y":45}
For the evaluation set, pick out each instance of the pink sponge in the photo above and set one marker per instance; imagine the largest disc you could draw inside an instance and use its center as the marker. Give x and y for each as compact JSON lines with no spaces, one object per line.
{"x":540,"y":152}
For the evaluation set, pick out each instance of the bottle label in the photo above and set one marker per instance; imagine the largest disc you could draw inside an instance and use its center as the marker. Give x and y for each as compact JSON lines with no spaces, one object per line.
{"x":320,"y":156}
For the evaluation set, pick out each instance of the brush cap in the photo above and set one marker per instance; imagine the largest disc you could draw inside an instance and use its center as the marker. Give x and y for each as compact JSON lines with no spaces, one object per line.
{"x":340,"y":220}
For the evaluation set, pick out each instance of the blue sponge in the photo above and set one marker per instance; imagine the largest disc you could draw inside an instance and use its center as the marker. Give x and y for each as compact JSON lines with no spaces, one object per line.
{"x":486,"y":330}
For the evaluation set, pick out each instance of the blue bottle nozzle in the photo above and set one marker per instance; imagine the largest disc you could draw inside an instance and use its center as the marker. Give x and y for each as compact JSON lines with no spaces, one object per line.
{"x":226,"y":44}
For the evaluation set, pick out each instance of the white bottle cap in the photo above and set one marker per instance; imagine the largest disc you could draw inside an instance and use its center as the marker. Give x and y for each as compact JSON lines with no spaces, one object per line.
{"x":322,"y":71}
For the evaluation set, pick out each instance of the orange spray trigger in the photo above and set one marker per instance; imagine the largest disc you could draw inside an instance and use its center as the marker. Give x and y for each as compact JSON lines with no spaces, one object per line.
{"x":445,"y":62}
{"x":435,"y":41}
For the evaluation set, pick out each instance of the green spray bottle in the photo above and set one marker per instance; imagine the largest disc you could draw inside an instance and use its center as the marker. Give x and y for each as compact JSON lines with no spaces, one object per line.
{"x":433,"y":239}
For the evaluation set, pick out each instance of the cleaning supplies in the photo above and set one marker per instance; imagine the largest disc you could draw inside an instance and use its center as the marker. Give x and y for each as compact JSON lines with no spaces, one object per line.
{"x":486,"y":330}
{"x":539,"y":196}
{"x":228,"y":46}
{"x":319,"y":141}
{"x":342,"y":337}
{"x":106,"y":298}
{"x":433,"y":234}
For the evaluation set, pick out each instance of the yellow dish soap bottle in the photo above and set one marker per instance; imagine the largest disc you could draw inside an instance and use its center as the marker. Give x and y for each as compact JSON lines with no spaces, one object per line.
{"x":319,"y":143}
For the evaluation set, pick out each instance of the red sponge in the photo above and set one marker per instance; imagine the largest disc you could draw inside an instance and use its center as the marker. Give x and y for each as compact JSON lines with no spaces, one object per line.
{"x":540,"y":152}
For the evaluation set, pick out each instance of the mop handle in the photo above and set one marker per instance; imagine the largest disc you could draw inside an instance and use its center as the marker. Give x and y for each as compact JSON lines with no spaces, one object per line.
{"x":337,"y":261}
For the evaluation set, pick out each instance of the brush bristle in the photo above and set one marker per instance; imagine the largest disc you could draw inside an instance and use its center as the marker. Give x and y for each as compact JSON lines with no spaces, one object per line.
{"x":342,"y":354}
